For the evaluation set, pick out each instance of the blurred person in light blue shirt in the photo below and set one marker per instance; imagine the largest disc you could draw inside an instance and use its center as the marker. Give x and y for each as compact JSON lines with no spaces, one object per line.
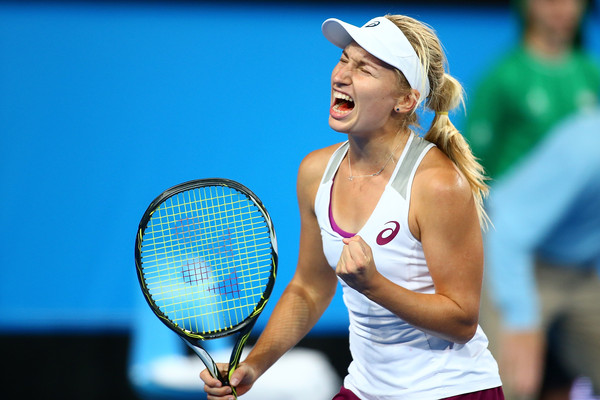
{"x":543,"y":254}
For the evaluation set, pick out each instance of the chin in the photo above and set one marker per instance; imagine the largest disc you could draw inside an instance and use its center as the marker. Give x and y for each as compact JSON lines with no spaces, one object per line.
{"x":337,"y":125}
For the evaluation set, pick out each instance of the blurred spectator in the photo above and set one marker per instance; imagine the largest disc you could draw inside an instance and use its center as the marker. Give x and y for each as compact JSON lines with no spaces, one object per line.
{"x":544,"y":258}
{"x":541,"y":254}
{"x":546,"y":77}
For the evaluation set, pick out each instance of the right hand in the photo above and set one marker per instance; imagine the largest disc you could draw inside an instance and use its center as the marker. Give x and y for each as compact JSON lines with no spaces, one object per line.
{"x":522,"y":361}
{"x":242,"y":379}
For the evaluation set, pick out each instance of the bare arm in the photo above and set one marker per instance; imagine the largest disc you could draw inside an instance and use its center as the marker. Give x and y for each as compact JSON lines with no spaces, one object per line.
{"x":304,"y":300}
{"x":444,"y":218}
{"x":311,"y":289}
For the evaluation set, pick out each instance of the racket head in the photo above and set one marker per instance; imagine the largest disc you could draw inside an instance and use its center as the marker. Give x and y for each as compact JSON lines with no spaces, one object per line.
{"x":206,"y":258}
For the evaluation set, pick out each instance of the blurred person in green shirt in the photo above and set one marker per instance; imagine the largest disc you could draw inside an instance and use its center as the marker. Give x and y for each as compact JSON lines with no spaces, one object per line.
{"x":547,"y":77}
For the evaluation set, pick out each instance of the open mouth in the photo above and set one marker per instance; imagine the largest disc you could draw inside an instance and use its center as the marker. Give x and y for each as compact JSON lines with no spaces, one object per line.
{"x":342,"y":102}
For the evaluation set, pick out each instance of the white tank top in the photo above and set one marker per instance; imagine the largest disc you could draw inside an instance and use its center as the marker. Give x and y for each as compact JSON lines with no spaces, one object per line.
{"x":392,"y":359}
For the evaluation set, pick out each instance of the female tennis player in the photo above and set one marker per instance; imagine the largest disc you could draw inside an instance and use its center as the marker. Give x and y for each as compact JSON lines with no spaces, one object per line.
{"x":396,"y":219}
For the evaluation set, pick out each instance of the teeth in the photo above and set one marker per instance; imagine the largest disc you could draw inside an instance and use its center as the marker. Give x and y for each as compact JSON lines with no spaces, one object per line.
{"x":342,"y":96}
{"x":337,"y":109}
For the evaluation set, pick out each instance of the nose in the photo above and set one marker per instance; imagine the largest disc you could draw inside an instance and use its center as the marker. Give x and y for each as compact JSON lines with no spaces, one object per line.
{"x":341,"y":74}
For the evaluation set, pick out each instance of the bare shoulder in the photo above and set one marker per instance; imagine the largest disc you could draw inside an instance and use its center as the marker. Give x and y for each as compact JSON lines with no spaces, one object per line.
{"x":314,"y":163}
{"x":438,"y":178}
{"x":312,"y":168}
{"x":441,"y":195}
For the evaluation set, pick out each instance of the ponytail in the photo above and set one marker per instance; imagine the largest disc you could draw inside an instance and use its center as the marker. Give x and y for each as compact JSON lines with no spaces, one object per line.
{"x":445,"y":94}
{"x":449,"y":140}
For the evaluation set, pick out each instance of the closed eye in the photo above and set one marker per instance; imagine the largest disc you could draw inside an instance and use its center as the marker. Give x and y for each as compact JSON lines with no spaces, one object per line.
{"x":362,"y":65}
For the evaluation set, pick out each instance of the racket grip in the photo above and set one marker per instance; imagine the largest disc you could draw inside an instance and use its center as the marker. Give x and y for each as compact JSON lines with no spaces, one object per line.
{"x":212,"y":367}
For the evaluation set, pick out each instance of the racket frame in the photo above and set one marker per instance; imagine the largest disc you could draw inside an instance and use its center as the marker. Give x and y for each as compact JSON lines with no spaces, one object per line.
{"x":243,"y":328}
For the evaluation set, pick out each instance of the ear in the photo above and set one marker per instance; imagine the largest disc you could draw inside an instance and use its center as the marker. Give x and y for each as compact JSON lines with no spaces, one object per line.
{"x":407,"y":103}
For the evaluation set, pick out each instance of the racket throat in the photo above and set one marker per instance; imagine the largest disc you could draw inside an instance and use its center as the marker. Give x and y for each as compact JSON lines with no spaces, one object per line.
{"x":208,"y":362}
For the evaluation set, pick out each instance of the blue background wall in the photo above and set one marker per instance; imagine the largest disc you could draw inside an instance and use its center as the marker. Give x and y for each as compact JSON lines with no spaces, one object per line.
{"x":105,"y":105}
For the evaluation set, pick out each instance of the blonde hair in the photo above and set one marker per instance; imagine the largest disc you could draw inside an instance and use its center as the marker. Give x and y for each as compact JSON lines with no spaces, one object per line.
{"x":446,"y":93}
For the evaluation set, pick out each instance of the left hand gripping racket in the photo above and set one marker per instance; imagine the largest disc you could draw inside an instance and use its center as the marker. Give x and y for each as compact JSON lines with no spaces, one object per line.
{"x":206,"y":258}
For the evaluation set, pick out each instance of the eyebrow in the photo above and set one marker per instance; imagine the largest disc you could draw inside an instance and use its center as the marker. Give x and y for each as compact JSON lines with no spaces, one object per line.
{"x":362,"y":62}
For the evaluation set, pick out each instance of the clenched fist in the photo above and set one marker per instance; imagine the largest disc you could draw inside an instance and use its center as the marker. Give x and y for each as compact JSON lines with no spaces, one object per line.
{"x":356,"y":266}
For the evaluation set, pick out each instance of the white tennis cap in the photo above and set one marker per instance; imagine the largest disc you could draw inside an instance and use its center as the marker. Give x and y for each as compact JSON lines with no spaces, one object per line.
{"x":384,"y":40}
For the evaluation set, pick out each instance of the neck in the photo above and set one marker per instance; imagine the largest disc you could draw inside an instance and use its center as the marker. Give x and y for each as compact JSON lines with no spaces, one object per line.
{"x":374,"y":147}
{"x":547,"y":46}
{"x":368,"y":158}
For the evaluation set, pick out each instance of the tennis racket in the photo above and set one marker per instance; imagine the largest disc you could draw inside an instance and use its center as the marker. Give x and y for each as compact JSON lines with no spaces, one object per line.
{"x":206,"y":259}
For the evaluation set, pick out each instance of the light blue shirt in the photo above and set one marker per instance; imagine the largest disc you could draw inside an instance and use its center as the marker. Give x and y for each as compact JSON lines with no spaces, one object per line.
{"x":548,"y":207}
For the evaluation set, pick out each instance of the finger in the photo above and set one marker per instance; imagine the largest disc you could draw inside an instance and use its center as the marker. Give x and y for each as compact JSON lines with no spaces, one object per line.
{"x":226,"y":397}
{"x":217,"y":392}
{"x":238,"y":376}
{"x":209,"y":380}
{"x":213,"y":387}
{"x":342,"y":265}
{"x":357,"y":252}
{"x":242,"y":379}
{"x":355,"y":238}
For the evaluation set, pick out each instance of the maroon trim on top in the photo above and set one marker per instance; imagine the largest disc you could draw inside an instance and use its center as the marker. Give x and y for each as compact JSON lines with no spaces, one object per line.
{"x":335,"y":226}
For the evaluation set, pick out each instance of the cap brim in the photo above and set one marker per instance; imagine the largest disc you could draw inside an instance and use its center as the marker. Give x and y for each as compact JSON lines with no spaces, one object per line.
{"x":381,"y":38}
{"x":338,"y":32}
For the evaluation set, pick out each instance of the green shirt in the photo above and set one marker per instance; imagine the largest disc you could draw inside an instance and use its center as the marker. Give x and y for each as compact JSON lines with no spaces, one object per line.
{"x":521,"y":99}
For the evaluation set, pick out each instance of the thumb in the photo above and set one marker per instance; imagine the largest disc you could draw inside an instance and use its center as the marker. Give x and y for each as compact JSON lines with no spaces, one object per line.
{"x":351,"y":239}
{"x":237,"y":376}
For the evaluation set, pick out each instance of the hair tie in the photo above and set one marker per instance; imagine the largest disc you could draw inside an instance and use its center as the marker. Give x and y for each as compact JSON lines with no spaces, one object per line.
{"x":442,"y":112}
